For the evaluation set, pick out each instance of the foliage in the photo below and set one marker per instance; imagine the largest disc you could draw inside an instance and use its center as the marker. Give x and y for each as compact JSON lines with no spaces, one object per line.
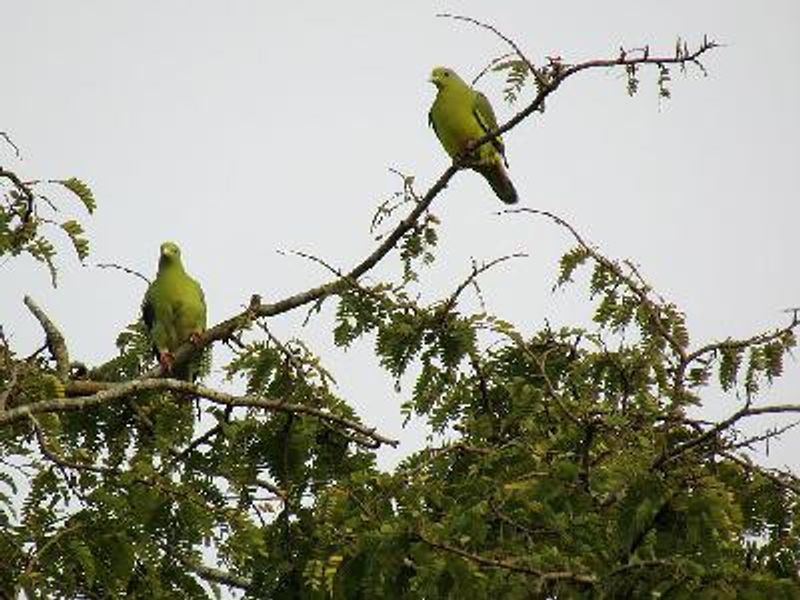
{"x":567,"y":462}
{"x":25,"y":220}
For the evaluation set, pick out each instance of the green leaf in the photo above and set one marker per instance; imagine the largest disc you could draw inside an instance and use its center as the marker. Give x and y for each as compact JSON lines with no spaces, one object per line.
{"x":81,"y":190}
{"x":75,"y":232}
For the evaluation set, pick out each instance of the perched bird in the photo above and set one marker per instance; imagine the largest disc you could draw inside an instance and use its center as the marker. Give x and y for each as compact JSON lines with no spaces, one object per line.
{"x":173,"y":310}
{"x":459,"y":117}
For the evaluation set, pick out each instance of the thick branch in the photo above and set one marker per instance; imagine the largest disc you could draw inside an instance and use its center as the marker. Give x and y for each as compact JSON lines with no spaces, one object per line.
{"x":368,"y":436}
{"x":55,"y":341}
{"x":218,"y":576}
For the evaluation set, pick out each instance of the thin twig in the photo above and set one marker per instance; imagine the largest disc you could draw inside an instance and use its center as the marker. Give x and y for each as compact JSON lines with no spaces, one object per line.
{"x":756,"y":340}
{"x":499,"y":34}
{"x":783,"y":479}
{"x":642,"y":292}
{"x":476,"y":272}
{"x":196,"y":443}
{"x":769,"y":434}
{"x":721,"y":426}
{"x":125,"y":269}
{"x":11,"y":143}
{"x":488,"y":67}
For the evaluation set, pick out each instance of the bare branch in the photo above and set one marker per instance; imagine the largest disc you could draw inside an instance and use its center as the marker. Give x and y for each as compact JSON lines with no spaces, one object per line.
{"x":770,"y":434}
{"x":125,"y":269}
{"x":201,"y":440}
{"x":499,"y":34}
{"x":476,"y":272}
{"x":11,"y":143}
{"x":55,"y":340}
{"x":710,"y":434}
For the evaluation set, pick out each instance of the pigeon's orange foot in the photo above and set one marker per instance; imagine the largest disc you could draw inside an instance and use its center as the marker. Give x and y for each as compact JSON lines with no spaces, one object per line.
{"x":166,"y":360}
{"x":194,"y":337}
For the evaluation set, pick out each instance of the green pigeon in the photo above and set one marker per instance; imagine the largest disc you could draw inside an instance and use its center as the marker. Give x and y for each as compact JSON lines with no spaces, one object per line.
{"x":173,"y":310}
{"x":459,"y":117}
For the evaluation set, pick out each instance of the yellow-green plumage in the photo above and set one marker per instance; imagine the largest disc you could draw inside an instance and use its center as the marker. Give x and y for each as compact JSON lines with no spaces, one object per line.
{"x":460,"y":116}
{"x":174,"y":309}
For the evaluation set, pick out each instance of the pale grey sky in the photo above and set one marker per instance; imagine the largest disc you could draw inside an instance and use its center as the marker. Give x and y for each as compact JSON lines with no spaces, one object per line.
{"x":237,"y":129}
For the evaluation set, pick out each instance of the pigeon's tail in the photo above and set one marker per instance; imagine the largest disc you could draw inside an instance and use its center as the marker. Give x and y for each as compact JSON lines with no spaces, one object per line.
{"x":497,"y":177}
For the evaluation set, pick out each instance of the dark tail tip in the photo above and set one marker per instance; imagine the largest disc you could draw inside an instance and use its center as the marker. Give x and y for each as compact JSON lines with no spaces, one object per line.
{"x":501,"y":184}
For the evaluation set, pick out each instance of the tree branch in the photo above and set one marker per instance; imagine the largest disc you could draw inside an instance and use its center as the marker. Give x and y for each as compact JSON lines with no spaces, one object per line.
{"x":23,"y":189}
{"x":10,"y":142}
{"x":711,"y":433}
{"x":218,"y":576}
{"x":55,"y":340}
{"x":544,"y":576}
{"x":127,"y":270}
{"x":756,"y":340}
{"x":781,"y":478}
{"x":115,"y":391}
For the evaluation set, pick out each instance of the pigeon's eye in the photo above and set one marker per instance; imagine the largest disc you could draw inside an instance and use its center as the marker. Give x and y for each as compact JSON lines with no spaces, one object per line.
{"x":446,"y":74}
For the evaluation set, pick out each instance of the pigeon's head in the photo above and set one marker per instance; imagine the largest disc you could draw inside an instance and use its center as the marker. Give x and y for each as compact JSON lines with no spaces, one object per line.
{"x":442,"y":76}
{"x":170,"y":253}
